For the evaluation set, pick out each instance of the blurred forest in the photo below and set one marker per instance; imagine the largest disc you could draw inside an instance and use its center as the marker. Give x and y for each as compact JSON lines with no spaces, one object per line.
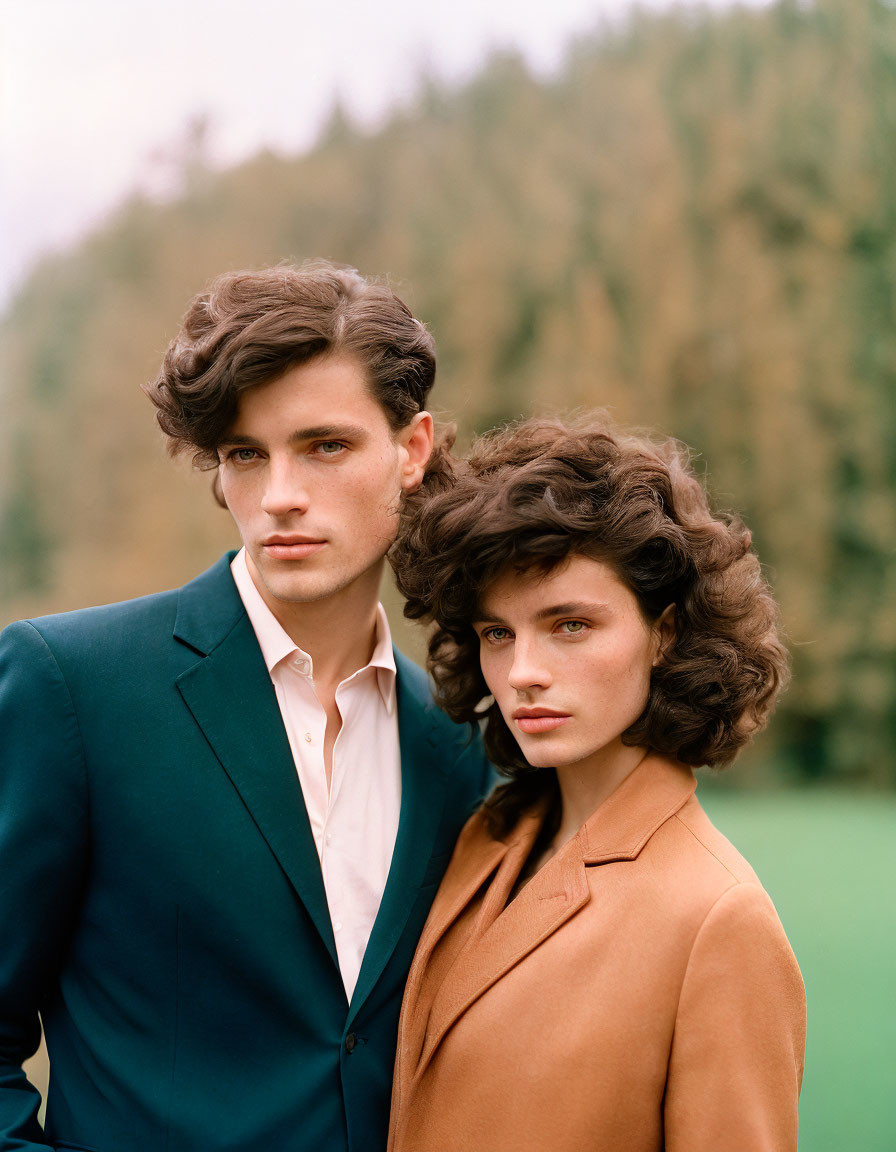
{"x":693,"y":223}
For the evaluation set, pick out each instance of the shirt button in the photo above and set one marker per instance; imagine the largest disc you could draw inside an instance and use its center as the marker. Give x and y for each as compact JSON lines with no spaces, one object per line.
{"x":307,"y":737}
{"x":337,"y":926}
{"x":329,"y":838}
{"x":350,"y":1041}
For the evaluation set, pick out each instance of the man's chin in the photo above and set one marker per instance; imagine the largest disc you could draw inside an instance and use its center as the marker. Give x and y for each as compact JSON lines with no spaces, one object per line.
{"x":307,"y":582}
{"x":305,"y":591}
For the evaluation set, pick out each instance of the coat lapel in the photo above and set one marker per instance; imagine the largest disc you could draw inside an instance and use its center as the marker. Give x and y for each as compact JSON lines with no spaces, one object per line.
{"x":423,"y":784}
{"x":503,"y":934}
{"x":474,"y":861}
{"x":232,"y":699}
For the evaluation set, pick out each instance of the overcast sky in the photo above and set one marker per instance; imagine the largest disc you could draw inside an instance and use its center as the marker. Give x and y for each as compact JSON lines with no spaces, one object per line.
{"x":94,"y":93}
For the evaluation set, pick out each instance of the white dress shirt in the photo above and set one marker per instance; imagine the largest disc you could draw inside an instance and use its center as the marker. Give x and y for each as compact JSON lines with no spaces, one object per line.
{"x":354,"y":824}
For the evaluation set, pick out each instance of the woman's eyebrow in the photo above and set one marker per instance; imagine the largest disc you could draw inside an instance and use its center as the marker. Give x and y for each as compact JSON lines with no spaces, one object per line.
{"x":484,"y":616}
{"x":573,"y":608}
{"x":581,"y":608}
{"x":243,"y":441}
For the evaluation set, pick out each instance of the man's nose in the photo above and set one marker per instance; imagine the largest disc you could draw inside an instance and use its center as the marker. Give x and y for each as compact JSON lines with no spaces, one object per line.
{"x":285,"y":489}
{"x":529,"y":669}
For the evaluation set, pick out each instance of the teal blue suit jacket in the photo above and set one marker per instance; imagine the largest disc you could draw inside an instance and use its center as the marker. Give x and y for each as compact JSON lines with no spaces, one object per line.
{"x":161,"y":900}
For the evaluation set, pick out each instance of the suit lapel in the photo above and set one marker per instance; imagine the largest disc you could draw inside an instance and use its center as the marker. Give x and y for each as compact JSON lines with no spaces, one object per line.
{"x":423,"y":785}
{"x":232,"y":699}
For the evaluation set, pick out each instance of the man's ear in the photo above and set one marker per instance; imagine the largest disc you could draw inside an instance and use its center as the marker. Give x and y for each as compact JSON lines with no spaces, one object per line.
{"x":664,"y":629}
{"x":415,"y":442}
{"x":217,"y":490}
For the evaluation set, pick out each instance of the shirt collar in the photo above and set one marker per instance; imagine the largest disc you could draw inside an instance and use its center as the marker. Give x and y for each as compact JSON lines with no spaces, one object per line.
{"x":276,"y":645}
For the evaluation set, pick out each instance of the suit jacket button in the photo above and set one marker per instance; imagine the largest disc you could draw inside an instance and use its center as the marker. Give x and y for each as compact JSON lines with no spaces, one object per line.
{"x":350,"y":1041}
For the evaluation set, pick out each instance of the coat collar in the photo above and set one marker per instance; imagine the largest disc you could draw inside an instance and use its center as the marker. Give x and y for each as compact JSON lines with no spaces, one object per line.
{"x":631,"y":814}
{"x":231,"y":696}
{"x":504,"y":934}
{"x":208,"y":608}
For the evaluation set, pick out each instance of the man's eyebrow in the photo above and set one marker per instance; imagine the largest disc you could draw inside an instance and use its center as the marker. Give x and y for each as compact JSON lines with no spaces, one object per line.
{"x":330,"y":432}
{"x":319,"y":432}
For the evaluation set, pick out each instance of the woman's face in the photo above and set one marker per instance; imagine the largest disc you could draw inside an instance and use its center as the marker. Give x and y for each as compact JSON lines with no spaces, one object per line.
{"x":568,"y":657}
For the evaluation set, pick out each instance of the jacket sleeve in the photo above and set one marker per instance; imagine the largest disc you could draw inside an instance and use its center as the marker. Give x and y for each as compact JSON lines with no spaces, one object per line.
{"x":43,"y":833}
{"x":737,"y":1054}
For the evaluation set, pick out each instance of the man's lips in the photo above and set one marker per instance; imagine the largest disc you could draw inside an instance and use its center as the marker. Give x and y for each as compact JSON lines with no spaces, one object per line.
{"x":283,"y":547}
{"x":534,"y":720}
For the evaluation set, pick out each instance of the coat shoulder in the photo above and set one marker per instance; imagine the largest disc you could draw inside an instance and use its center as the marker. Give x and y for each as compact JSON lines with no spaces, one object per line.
{"x":128,"y":631}
{"x":714,"y":851}
{"x":92,"y":642}
{"x":447,"y":734}
{"x":689,"y":866}
{"x":707,"y":889}
{"x":104,"y":621}
{"x":456,"y":749}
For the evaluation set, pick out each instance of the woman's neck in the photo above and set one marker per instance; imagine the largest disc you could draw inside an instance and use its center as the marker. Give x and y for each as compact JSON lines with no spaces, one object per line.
{"x":584,"y":786}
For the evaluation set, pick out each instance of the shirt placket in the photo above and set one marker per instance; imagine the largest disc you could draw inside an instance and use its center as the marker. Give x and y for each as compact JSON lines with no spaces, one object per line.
{"x":309,"y":726}
{"x":333,"y":871}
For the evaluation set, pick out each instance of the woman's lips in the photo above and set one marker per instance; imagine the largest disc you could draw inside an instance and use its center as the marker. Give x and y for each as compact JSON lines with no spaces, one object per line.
{"x":533,"y":724}
{"x":293,"y":549}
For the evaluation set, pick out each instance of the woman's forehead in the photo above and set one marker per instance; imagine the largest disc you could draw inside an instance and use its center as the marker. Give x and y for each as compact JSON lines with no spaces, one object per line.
{"x":535,"y":588}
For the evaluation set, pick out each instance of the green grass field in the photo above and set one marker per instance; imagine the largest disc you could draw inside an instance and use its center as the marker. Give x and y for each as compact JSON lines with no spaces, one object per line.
{"x":828,"y":859}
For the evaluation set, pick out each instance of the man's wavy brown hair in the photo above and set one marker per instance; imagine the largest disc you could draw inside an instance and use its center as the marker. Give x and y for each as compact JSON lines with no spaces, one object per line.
{"x":249,"y":327}
{"x":534,"y":493}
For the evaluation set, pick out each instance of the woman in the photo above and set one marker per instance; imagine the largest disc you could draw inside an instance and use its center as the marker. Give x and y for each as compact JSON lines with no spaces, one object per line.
{"x":601,"y":970}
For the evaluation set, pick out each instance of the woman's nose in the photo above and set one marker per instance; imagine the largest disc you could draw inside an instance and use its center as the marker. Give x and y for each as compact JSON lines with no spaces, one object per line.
{"x":529,"y":669}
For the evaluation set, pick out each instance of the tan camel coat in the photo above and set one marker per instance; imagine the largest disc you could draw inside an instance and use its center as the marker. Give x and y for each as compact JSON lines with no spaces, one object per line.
{"x":637,"y":995}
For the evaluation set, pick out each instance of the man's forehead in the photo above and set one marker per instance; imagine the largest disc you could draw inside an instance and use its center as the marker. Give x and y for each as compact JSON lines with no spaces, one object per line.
{"x":324,"y":398}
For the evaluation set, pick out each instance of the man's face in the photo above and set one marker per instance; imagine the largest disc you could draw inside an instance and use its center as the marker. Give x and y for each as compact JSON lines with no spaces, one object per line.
{"x":313,"y":475}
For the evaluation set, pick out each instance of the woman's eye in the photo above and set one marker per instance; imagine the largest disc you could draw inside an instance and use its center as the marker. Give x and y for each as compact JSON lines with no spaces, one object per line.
{"x":243,"y":455}
{"x":496,"y":635}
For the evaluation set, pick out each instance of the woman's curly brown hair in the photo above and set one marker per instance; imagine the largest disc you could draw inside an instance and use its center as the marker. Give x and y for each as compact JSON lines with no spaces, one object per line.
{"x":539,"y":491}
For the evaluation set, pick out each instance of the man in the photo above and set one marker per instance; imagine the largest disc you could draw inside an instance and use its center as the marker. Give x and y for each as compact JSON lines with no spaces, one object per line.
{"x":224,"y":810}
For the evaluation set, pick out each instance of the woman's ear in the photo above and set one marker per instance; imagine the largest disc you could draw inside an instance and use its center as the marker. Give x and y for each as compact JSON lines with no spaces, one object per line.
{"x":664,"y":630}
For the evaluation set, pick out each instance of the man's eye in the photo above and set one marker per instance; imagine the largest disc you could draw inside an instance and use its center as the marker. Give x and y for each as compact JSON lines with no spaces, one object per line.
{"x":573,"y":627}
{"x":330,"y":447}
{"x":243,"y":455}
